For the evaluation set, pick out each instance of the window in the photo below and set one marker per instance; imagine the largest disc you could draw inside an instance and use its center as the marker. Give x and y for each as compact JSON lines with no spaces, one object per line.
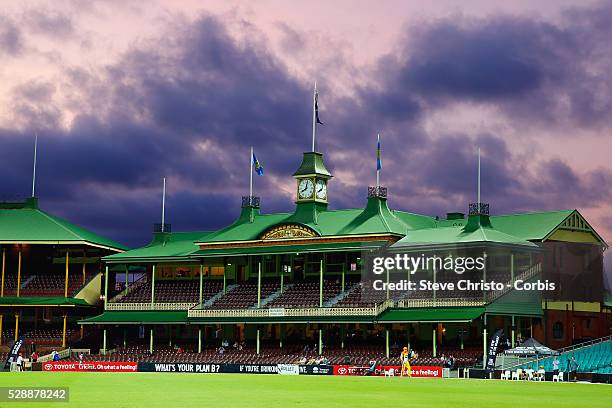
{"x":557,"y":330}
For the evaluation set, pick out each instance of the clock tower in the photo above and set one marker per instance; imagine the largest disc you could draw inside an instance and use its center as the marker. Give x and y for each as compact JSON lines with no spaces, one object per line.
{"x":312,"y":177}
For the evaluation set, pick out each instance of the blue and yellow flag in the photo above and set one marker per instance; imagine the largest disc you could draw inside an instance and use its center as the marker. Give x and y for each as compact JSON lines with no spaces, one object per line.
{"x":378,"y":159}
{"x":257,"y":166}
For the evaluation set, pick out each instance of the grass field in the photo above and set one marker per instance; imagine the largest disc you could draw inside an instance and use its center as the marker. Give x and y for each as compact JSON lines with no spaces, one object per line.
{"x":148,"y":390}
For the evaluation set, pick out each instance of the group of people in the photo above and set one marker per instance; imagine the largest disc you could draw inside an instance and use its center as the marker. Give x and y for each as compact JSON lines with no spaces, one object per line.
{"x":320,"y":360}
{"x":225,"y":345}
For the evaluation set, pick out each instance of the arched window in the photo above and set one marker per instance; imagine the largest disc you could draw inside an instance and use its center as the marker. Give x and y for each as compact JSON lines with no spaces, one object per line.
{"x":557,"y":330}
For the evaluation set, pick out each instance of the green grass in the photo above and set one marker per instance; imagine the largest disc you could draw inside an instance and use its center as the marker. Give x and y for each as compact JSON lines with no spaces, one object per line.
{"x":149,"y":390}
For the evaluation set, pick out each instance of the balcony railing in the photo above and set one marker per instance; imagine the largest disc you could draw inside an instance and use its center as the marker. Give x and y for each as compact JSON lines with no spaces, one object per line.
{"x":292,"y":312}
{"x":414,"y":303}
{"x":150,"y":306}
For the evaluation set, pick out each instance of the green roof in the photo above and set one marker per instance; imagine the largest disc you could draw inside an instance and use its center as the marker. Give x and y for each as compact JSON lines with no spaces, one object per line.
{"x":375,"y":218}
{"x":176,"y":245}
{"x":478,"y":229}
{"x":530,"y":226}
{"x":41,"y":301}
{"x":26,"y":223}
{"x":455,"y":314}
{"x":312,"y":163}
{"x":138,"y":317}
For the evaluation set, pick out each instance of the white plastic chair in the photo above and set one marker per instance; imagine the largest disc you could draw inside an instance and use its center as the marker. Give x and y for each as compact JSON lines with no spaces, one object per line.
{"x":560,"y":376}
{"x":505,"y":375}
{"x":516,"y":375}
{"x":390,"y":372}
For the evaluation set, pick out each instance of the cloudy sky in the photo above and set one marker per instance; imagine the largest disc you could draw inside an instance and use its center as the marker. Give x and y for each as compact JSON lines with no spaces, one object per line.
{"x":122,"y":93}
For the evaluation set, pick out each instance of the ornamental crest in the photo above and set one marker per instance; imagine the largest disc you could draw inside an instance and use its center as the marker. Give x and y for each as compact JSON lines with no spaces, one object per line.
{"x":289,"y":231}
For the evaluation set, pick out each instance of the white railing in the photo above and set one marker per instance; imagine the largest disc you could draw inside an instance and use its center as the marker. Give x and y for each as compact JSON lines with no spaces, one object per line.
{"x":527,"y":274}
{"x":150,"y":306}
{"x":414,"y":303}
{"x":292,"y":312}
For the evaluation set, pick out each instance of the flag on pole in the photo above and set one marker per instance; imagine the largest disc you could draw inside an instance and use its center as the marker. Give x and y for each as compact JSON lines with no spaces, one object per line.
{"x":378,"y":159}
{"x":258,"y":168}
{"x":317,"y":107}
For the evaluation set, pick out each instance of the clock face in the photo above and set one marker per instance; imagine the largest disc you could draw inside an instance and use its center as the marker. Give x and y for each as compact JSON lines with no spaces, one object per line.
{"x":321,"y":189}
{"x":305,"y":188}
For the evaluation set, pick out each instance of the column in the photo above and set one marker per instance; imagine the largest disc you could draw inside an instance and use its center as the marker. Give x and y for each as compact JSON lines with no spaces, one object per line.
{"x":435,"y":275}
{"x":124,"y":337}
{"x":151,"y":341}
{"x":224,"y":280}
{"x":484,"y":277}
{"x":16,"y":326}
{"x":257,"y":345}
{"x":1,"y":317}
{"x":199,"y":339}
{"x":408,"y":334}
{"x":258,"y":291}
{"x":152,"y":291}
{"x":127,"y":277}
{"x":387,"y":291}
{"x":484,"y":342}
{"x":342,"y":334}
{"x":64,"y":333}
{"x":434,"y":341}
{"x":104,"y":341}
{"x":387,"y":342}
{"x":282,"y":283}
{"x":513,"y":330}
{"x":66,"y":277}
{"x":85,"y":274}
{"x":82,"y":331}
{"x":201,"y":281}
{"x":512,"y":267}
{"x":321,"y":283}
{"x":461,"y":337}
{"x":19,"y":273}
{"x":3,"y":268}
{"x":343,"y":273}
{"x":531,"y":328}
{"x":281,"y":334}
{"x":105,"y":289}
{"x":320,"y":341}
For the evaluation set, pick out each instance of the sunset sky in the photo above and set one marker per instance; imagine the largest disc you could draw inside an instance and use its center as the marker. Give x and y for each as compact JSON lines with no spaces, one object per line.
{"x":123,"y":93}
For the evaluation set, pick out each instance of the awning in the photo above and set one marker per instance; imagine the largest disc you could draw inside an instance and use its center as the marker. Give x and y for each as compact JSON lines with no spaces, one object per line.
{"x":138,"y":317}
{"x":434,"y":315}
{"x":42,"y":301}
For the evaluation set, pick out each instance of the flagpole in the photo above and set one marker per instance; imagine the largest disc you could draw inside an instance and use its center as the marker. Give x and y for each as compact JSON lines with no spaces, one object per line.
{"x":34,"y":169}
{"x":163,"y":220}
{"x":251,"y":176}
{"x":479,"y":179}
{"x":377,"y":160}
{"x":314,"y":118}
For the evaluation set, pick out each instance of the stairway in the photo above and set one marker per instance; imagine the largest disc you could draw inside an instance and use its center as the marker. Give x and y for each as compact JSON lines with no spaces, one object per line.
{"x":273,"y":296}
{"x":217,"y":296}
{"x":331,"y":302}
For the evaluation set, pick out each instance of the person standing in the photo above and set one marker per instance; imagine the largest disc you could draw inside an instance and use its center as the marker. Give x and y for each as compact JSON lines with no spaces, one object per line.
{"x":574,"y":368}
{"x":19,"y":362}
{"x":555,"y":365}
